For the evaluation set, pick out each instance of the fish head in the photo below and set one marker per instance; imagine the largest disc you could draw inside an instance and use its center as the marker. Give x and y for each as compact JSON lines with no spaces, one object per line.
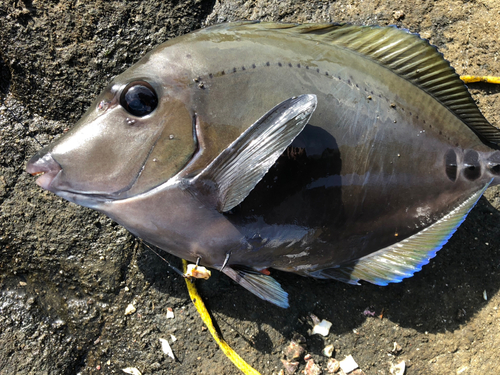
{"x":136,"y":135}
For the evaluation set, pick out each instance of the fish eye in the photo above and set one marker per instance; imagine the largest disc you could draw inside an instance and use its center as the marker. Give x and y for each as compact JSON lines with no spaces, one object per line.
{"x":139,"y":98}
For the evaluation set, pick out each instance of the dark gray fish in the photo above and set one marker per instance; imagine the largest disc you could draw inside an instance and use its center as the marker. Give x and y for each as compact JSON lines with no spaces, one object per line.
{"x":340,"y":152}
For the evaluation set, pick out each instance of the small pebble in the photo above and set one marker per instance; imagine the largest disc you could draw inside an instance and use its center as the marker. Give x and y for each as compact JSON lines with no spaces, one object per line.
{"x":333,"y":365}
{"x":130,"y":309}
{"x":312,"y":368}
{"x":290,"y":366}
{"x":328,"y":350}
{"x":315,"y":319}
{"x":398,"y":15}
{"x":294,"y":351}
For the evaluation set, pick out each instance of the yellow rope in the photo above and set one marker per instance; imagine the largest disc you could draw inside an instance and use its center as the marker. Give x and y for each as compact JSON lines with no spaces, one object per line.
{"x":486,"y":79}
{"x":205,"y":316}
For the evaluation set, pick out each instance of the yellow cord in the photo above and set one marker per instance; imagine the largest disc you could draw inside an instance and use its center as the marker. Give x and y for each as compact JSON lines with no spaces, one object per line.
{"x":205,"y":316}
{"x":486,"y":79}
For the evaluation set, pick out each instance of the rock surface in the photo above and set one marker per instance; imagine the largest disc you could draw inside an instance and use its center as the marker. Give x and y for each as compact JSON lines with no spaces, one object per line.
{"x":67,"y":273}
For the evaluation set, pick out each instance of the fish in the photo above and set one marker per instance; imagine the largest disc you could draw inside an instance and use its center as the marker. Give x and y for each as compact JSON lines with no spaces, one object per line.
{"x":331,"y":151}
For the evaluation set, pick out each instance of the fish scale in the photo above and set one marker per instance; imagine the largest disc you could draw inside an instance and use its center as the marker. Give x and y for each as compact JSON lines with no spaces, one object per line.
{"x":332,"y":151}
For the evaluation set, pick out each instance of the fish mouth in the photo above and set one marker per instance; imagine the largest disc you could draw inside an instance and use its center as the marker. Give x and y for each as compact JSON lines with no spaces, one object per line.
{"x":45,"y":167}
{"x":48,"y":169}
{"x":49,"y":172}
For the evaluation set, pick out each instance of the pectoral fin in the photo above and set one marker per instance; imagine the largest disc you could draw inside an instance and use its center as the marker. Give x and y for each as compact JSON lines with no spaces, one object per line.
{"x":236,"y":171}
{"x":261,"y":285}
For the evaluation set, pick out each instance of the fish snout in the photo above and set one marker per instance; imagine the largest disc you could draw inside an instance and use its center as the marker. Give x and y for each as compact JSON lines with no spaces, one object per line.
{"x":43,"y":164}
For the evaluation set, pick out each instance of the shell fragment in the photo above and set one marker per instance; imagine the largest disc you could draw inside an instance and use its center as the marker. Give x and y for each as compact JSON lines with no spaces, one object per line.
{"x":167,"y":349}
{"x":170,"y":313}
{"x":398,"y":369}
{"x":131,"y":371}
{"x":322,"y":328}
{"x":348,"y":364}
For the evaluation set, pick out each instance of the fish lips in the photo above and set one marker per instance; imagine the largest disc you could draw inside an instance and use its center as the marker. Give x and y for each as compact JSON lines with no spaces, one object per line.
{"x":45,"y":166}
{"x":51,"y":178}
{"x":48,"y":169}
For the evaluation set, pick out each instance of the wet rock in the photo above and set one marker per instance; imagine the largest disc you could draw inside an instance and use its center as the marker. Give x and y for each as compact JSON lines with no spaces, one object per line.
{"x":55,"y":57}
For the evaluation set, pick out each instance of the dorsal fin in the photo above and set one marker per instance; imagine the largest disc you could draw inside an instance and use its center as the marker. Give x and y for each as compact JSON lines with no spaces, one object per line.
{"x":401,"y":260}
{"x":405,"y":54}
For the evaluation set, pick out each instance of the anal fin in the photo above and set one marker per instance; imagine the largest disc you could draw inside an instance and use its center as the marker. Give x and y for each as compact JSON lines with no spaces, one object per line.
{"x":263,"y":286}
{"x":401,"y":260}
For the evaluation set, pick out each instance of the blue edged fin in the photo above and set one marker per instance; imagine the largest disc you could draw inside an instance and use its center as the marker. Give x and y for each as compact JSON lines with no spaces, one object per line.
{"x":236,"y":170}
{"x":401,"y":260}
{"x":261,"y":285}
